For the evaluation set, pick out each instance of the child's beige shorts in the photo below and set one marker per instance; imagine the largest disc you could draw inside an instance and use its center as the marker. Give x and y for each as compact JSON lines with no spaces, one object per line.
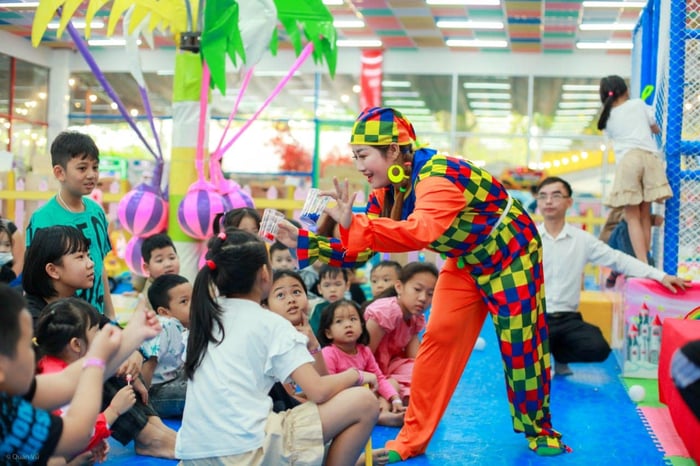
{"x":639,"y":177}
{"x":292,"y":437}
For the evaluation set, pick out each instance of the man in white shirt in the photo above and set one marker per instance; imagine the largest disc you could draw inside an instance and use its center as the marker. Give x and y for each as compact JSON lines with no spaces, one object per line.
{"x":567,"y":250}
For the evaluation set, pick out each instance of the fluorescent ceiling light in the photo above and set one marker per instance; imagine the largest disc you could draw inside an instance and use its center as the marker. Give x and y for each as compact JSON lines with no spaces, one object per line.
{"x":574,"y":96}
{"x":358,"y":43}
{"x":491,"y":113}
{"x":20,"y":5}
{"x":95,"y":24}
{"x":388,"y":83}
{"x":416,"y":111}
{"x":612,"y":4}
{"x":333,"y":2}
{"x":113,"y":42}
{"x":607,"y":45}
{"x":404,"y":103}
{"x":588,"y":111}
{"x":484,"y":85}
{"x":169,"y":73}
{"x":580,"y":87}
{"x":579,"y":105}
{"x":477,"y":43}
{"x":464,"y":2}
{"x":452,"y":24}
{"x":348,"y":23}
{"x":501,"y":105}
{"x":412,"y":94}
{"x":489,"y":95}
{"x":606,"y":26}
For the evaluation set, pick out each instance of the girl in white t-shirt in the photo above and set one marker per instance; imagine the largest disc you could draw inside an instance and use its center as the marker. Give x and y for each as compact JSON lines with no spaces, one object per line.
{"x":237,"y":350}
{"x":640,"y":177}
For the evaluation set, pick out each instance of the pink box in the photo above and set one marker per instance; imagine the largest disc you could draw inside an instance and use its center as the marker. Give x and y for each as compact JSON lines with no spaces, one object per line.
{"x":646,"y":303}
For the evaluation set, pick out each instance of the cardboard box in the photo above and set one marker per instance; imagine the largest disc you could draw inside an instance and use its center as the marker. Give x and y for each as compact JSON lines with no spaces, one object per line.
{"x":646,"y":304}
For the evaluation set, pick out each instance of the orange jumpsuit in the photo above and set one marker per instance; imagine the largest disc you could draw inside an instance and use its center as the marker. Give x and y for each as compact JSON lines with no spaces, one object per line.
{"x":494,"y":265}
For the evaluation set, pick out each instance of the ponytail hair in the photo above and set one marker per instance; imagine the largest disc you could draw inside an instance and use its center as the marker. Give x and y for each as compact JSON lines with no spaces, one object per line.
{"x":61,"y":321}
{"x":233,"y":260}
{"x":611,"y":87}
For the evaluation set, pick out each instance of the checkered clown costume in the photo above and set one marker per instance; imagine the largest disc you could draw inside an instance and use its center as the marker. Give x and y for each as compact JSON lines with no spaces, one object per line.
{"x":494,"y":265}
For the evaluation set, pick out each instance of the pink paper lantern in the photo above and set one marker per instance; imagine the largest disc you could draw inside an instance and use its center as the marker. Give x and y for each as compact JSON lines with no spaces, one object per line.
{"x":197,"y":210}
{"x":143,"y":211}
{"x":234,"y":196}
{"x":132,"y":256}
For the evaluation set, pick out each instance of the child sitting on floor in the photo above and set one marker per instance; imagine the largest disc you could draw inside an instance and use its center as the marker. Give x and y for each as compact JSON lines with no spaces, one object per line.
{"x":237,"y":350}
{"x":395,"y":319}
{"x":64,"y":333}
{"x":163,"y":371}
{"x":345,"y":338}
{"x":159,"y":258}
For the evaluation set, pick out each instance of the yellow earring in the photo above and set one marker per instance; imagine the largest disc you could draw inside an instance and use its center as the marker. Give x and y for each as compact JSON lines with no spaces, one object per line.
{"x":396,"y":174}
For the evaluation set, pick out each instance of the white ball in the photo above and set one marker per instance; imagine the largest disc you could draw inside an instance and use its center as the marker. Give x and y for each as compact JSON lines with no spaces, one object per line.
{"x":637,"y":393}
{"x":480,"y":344}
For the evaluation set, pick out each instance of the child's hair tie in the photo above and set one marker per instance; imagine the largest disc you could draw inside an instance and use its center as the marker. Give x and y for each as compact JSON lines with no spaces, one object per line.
{"x":211,"y":264}
{"x":610,"y":93}
{"x":222,"y":236}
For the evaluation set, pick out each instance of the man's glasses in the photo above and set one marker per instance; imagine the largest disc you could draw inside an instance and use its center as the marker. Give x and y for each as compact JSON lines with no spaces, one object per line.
{"x":557,"y":196}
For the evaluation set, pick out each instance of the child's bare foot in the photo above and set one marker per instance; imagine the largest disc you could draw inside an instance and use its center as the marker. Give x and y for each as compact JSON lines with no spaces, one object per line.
{"x":387,"y":418}
{"x":379,"y":456}
{"x":155,"y":439}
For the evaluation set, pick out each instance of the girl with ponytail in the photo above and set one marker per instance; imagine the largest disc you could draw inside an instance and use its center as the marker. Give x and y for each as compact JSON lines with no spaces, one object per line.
{"x":640,"y":176}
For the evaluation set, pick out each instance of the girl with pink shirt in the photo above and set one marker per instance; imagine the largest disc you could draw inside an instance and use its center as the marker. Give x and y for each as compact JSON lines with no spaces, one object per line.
{"x":343,"y":334}
{"x":395,"y":319}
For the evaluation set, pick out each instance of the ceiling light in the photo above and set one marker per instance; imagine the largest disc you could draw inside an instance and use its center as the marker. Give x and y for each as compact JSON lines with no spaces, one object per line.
{"x":396,"y":83}
{"x":404,"y":103}
{"x":485,"y":85}
{"x":612,"y":4}
{"x":606,"y":26}
{"x":332,"y":2}
{"x":574,"y":96}
{"x":607,"y":45}
{"x":588,"y":111}
{"x":500,"y":105}
{"x":579,"y":104}
{"x":489,"y":95}
{"x":79,"y":24}
{"x":20,"y":5}
{"x":476,"y":43}
{"x":416,"y":111}
{"x":580,"y":87}
{"x":348,"y":23}
{"x":451,"y":24}
{"x":491,"y":113}
{"x":358,"y":43}
{"x":411,"y":94}
{"x":464,"y":2}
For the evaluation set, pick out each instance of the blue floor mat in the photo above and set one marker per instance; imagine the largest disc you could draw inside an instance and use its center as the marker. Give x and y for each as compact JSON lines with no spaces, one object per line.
{"x":591,"y":408}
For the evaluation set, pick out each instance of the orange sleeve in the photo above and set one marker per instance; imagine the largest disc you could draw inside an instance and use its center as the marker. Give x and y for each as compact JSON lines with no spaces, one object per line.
{"x":438,"y":202}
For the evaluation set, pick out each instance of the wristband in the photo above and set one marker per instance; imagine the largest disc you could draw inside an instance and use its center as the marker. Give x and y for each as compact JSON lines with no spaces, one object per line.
{"x":93,"y":362}
{"x":315,"y":351}
{"x":360,"y":377}
{"x":397,"y":401}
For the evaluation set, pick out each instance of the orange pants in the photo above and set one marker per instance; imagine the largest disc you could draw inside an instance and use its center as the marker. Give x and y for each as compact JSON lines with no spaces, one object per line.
{"x":456,"y":317}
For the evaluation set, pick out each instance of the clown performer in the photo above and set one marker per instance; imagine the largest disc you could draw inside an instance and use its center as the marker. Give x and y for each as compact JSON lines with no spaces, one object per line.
{"x":422,"y":199}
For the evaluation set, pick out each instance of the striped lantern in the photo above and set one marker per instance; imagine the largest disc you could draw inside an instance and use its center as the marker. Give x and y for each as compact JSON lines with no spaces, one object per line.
{"x":198,"y":208}
{"x":133,"y":257}
{"x":143,"y":211}
{"x":234,"y":196}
